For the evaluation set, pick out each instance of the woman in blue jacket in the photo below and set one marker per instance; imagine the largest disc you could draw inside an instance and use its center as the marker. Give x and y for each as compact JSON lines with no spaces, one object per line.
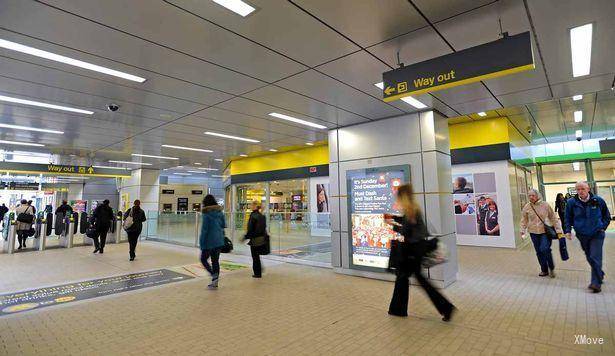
{"x":211,"y":239}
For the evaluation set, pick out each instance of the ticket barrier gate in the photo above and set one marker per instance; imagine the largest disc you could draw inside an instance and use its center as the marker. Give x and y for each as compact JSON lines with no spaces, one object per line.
{"x":8,"y":237}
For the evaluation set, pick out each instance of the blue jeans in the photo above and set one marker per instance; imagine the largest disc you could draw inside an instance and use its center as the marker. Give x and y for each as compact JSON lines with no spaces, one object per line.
{"x":592,"y":246}
{"x":214,"y":268}
{"x":542,"y":245}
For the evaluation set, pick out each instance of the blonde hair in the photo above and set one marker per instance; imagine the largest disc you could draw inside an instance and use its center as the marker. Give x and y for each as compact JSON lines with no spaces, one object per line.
{"x":405,"y":196}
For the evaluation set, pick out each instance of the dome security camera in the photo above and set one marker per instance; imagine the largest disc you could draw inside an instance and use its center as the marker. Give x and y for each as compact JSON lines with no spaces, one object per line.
{"x":113,"y":107}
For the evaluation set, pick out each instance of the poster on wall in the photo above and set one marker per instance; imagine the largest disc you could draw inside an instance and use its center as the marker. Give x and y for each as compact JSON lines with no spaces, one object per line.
{"x":371,"y":193}
{"x":475,"y":204}
{"x":320,"y":217}
{"x":78,"y":205}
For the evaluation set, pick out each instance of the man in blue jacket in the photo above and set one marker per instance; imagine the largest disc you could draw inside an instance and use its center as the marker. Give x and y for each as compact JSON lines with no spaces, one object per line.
{"x":590,"y":217}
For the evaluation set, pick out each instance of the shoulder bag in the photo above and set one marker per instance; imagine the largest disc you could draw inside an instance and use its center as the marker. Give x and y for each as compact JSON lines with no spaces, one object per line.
{"x":128,"y":221}
{"x":549,"y":230}
{"x":25,"y":217}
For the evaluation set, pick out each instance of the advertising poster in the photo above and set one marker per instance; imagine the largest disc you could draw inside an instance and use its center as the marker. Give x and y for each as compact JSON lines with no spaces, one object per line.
{"x":79,"y":205}
{"x":475,"y":204}
{"x":372,"y":194}
{"x":320,"y":216}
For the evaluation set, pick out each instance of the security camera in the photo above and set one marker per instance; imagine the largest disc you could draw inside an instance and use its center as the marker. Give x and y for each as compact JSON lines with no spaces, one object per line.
{"x":579,"y":138}
{"x":113,"y":107}
{"x":529,"y":130}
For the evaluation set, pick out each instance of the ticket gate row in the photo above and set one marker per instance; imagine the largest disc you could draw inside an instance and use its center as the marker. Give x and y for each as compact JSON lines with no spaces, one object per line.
{"x":69,"y":231}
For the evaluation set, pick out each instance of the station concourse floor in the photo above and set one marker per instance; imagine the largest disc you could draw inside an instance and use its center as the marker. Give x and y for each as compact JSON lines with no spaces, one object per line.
{"x":504,"y":308}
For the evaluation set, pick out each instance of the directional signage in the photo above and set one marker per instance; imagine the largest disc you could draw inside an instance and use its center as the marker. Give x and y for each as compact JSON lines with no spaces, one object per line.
{"x":58,"y":169}
{"x":511,"y":54}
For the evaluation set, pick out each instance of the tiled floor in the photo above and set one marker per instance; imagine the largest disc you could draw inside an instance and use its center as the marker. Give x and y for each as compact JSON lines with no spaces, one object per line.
{"x":504,"y":308}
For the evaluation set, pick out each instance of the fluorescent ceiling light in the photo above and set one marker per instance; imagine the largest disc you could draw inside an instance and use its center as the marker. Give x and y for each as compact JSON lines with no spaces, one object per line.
{"x":208,"y":169}
{"x":179,"y":167}
{"x":577,"y":97}
{"x":578,"y":116}
{"x":482,"y":114}
{"x":27,"y":128}
{"x":231,"y":137}
{"x":216,"y":176}
{"x":581,"y":49}
{"x":218,"y":159}
{"x":130,"y":162}
{"x":110,"y":167}
{"x":151,"y":156}
{"x":200,"y":172}
{"x":408,"y":99}
{"x":66,"y":60}
{"x":576,"y":166}
{"x":309,"y":144}
{"x":187,"y":148}
{"x":412,"y":101}
{"x":299,"y":121}
{"x":243,"y":155}
{"x":182,"y":174}
{"x":579,"y":133}
{"x":43,"y":105}
{"x":273,"y":150}
{"x":198,"y":164}
{"x":19,"y":143}
{"x":237,"y":6}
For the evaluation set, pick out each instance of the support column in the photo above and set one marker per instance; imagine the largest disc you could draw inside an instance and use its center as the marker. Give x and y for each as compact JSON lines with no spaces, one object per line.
{"x":417,"y":140}
{"x":144,"y":185}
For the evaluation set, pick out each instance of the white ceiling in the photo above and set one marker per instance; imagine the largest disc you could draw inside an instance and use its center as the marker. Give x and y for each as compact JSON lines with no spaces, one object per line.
{"x":209,"y":69}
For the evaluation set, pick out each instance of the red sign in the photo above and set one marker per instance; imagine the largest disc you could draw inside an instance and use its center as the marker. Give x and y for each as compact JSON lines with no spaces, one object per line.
{"x":313,"y":169}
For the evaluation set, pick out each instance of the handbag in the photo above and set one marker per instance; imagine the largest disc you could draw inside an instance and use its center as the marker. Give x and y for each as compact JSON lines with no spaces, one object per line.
{"x":128,"y":221}
{"x":91,"y":232}
{"x":25,"y":217}
{"x":396,"y":256}
{"x":436,"y":253}
{"x":265,"y":249}
{"x":563,"y":250}
{"x":549,"y":230}
{"x":228,"y":245}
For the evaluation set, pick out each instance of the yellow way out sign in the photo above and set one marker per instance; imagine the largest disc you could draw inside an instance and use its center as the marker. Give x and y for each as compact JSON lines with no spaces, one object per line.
{"x":511,"y":54}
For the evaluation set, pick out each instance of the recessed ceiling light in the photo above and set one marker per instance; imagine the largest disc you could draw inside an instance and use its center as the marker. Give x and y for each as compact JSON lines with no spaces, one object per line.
{"x":20,"y":143}
{"x":151,"y":156}
{"x":243,"y":155}
{"x":188,"y":148}
{"x":231,"y":137}
{"x":66,"y":60}
{"x":237,"y":6}
{"x":299,"y":121}
{"x":578,"y":116}
{"x":130,"y":162}
{"x":577,"y":97}
{"x":309,"y":143}
{"x":273,"y":150}
{"x":110,"y":167}
{"x":412,"y":101}
{"x":218,"y":159}
{"x":482,"y":114}
{"x":179,"y":167}
{"x":27,"y":128}
{"x":182,"y":174}
{"x":579,"y":133}
{"x":43,"y":105}
{"x":208,"y":169}
{"x":581,"y":49}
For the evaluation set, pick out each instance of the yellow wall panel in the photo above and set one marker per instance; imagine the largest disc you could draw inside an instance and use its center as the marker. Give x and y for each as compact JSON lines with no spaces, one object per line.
{"x":479,"y":133}
{"x":309,"y":156}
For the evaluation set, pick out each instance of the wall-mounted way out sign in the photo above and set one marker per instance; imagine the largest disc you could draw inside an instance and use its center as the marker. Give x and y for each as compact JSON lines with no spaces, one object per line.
{"x":511,"y":54}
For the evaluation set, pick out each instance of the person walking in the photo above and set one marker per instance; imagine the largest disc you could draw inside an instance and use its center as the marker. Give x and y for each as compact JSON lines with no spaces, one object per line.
{"x":257,"y":234}
{"x":102,"y":218}
{"x":590,"y":217}
{"x":64,"y":209}
{"x":560,"y":207}
{"x":3,"y":211}
{"x":413,"y":248}
{"x":23,"y":224}
{"x":211,"y":239}
{"x":534,"y":215}
{"x":136,"y":216}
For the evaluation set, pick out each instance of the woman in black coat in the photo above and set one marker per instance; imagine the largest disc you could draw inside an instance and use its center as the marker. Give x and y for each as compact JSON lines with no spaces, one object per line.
{"x":134,"y":230}
{"x":409,"y":257}
{"x":259,"y":239}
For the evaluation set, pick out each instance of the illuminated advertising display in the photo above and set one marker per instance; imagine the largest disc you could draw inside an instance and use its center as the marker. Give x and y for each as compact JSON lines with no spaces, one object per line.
{"x":371,"y":193}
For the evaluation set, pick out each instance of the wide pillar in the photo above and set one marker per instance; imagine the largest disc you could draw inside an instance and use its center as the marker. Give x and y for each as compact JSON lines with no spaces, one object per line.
{"x":144,"y":185}
{"x":419,"y":141}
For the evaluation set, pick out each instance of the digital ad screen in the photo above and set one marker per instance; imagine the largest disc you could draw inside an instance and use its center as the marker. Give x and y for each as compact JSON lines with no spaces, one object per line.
{"x":371,"y":194}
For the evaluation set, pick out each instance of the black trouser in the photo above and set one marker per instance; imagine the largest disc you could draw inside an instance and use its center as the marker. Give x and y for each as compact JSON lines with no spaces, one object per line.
{"x":133,"y":238}
{"x":21,"y":237}
{"x":214,"y":268}
{"x":101,"y":237}
{"x":401,"y":293}
{"x":256,"y":260}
